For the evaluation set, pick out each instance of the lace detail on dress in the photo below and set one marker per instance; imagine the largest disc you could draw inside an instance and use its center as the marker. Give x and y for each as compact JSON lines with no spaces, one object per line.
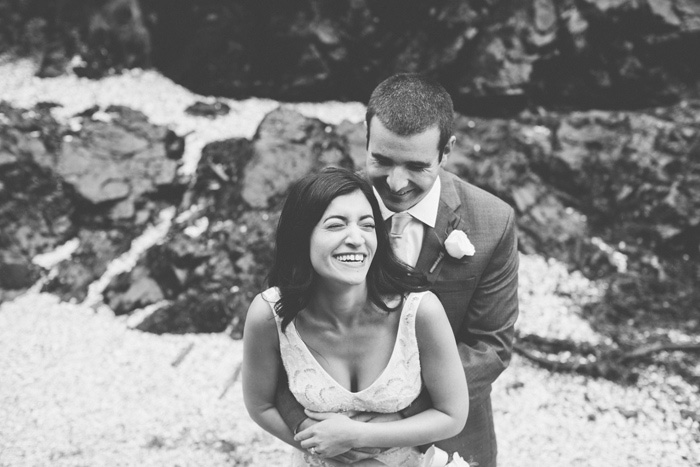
{"x":395,"y":388}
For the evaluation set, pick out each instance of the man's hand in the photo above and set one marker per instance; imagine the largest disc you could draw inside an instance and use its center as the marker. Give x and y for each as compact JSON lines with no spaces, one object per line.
{"x":375,"y":417}
{"x":306,"y":423}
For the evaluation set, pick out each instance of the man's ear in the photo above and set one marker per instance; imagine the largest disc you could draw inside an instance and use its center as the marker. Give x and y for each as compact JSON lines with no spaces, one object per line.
{"x":447,"y":150}
{"x":364,"y":124}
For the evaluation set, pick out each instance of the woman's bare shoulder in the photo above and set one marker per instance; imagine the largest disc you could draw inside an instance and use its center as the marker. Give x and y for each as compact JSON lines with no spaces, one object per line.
{"x":260,"y":315}
{"x":429,"y":306}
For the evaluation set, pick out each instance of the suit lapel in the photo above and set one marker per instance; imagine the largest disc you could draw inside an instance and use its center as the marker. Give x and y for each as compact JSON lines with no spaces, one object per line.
{"x":432,"y":251}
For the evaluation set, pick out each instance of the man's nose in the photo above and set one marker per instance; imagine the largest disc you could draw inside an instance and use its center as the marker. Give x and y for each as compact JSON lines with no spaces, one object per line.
{"x":397,"y":179}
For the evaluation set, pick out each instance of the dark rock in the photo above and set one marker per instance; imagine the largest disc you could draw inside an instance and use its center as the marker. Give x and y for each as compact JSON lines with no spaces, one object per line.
{"x":629,"y":178}
{"x":55,"y":60}
{"x":36,"y":211}
{"x":355,"y":135}
{"x":174,"y":145}
{"x":212,"y":265}
{"x":286,"y":147}
{"x":206,"y":109}
{"x":182,"y":260}
{"x":97,"y":249}
{"x":212,"y":315}
{"x":115,"y":167}
{"x":495,"y":57}
{"x":102,"y":183}
{"x":628,"y":413}
{"x":122,"y":178}
{"x":129,"y":291}
{"x":115,"y":38}
{"x":16,"y":270}
{"x":499,"y":156}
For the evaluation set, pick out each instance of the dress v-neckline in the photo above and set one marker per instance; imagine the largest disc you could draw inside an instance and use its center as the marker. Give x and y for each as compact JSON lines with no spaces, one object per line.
{"x":328,"y":376}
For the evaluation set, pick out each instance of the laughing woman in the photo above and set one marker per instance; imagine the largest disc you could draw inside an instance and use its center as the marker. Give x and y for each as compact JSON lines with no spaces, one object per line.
{"x":354,"y":330}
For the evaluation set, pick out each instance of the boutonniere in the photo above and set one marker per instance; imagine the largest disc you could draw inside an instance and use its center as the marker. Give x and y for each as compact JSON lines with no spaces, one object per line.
{"x":456,"y":245}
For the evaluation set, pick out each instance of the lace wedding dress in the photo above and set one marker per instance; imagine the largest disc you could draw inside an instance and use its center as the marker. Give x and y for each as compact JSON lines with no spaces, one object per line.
{"x":395,"y":388}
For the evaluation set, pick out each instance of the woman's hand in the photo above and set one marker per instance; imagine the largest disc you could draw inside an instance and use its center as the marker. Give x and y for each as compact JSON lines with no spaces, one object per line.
{"x":334,"y":434}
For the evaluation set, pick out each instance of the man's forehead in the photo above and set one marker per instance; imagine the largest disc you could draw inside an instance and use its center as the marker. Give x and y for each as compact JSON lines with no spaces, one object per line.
{"x":376,"y":123}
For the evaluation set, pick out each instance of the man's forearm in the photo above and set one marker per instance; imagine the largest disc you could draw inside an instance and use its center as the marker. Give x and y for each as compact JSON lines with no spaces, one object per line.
{"x":291,"y":411}
{"x":485,"y":341}
{"x":419,"y":404}
{"x":482,"y":365}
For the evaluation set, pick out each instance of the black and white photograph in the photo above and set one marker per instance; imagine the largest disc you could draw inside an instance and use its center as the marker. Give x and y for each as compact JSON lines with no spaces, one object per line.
{"x":409,"y":233}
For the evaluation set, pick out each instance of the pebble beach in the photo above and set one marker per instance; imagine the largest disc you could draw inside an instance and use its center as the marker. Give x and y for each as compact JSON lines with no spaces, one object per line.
{"x":81,"y":387}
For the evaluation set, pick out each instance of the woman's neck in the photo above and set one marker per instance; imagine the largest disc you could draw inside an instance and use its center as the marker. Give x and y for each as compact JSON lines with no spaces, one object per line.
{"x":340,"y":306}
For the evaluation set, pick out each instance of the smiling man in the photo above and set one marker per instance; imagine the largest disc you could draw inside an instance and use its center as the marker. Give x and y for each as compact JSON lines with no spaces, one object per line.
{"x":409,"y":138}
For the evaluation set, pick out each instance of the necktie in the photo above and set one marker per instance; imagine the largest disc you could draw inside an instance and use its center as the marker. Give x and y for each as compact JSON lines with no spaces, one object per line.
{"x":399,"y":241}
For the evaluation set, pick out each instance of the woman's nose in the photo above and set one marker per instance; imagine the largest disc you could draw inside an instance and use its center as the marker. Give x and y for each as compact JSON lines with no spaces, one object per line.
{"x":354,"y":236}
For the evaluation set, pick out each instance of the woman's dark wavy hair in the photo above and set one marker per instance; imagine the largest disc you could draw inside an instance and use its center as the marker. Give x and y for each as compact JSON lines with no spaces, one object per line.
{"x":292,"y":272}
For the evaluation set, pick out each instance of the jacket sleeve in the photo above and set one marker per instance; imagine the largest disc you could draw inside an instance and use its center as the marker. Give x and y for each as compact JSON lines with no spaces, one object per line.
{"x":485,"y":339}
{"x":290,"y":409}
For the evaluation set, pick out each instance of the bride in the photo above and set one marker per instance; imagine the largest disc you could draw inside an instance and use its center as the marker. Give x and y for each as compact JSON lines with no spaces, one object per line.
{"x":354,"y":330}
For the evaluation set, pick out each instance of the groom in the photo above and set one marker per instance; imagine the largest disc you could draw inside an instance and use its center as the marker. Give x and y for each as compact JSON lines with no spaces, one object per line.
{"x":475,"y":274}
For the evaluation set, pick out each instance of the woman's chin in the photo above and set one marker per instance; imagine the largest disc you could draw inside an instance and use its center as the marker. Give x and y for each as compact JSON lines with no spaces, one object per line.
{"x":357,"y":278}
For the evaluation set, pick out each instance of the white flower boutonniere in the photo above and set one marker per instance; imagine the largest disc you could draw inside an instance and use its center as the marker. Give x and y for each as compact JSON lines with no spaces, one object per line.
{"x":458,"y":245}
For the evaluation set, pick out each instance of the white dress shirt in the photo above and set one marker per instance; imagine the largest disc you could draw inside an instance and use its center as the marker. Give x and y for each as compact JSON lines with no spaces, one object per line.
{"x":422,"y":213}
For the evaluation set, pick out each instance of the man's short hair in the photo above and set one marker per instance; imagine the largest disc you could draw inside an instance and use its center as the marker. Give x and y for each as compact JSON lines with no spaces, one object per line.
{"x":410,"y":103}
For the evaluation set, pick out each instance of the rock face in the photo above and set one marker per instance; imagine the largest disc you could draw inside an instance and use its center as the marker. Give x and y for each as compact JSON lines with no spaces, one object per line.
{"x":102,"y":178}
{"x":117,"y":165}
{"x":36,"y":211}
{"x":615,"y":195}
{"x":106,"y":35}
{"x":494,"y":56}
{"x":503,"y":157}
{"x":212,"y":265}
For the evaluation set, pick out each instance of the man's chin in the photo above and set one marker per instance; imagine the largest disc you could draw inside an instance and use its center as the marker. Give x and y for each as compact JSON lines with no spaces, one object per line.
{"x":399,"y":204}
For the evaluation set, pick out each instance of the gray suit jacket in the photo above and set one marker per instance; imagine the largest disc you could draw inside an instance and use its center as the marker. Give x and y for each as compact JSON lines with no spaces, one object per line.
{"x":479,"y":293}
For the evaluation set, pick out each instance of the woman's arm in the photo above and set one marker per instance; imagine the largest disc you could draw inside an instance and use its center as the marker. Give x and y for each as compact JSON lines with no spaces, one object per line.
{"x":261,"y":364}
{"x":444,"y":379}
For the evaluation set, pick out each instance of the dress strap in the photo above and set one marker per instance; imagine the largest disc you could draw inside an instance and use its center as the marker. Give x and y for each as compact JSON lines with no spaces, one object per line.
{"x":411,"y":306}
{"x":272,"y":296}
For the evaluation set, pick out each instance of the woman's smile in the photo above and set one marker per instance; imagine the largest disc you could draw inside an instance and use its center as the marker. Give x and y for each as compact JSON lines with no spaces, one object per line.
{"x":344,"y":240}
{"x":352,"y":259}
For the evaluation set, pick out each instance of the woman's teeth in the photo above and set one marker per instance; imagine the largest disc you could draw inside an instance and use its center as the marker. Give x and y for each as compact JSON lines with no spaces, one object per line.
{"x":350,"y":258}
